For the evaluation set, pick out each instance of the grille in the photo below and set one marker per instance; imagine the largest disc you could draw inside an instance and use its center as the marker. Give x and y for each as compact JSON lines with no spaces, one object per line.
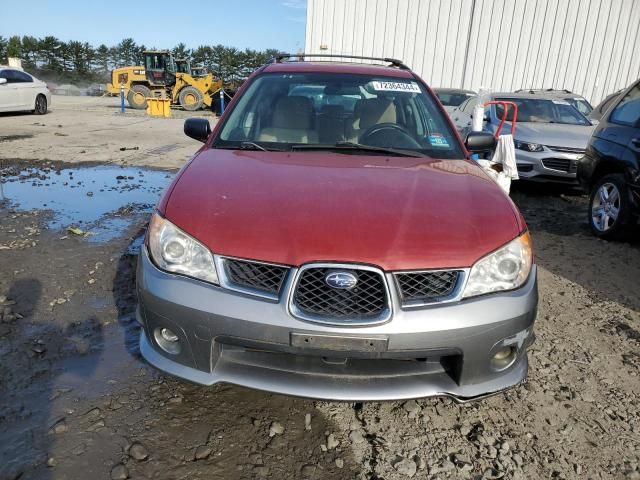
{"x":566,"y":149}
{"x":366,"y":301}
{"x":255,"y":275}
{"x":562,"y":164}
{"x":420,"y":287}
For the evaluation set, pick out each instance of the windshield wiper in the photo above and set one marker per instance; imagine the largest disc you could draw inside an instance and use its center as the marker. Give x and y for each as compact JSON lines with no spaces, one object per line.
{"x":252,"y":146}
{"x":246,"y":146}
{"x":351,"y":146}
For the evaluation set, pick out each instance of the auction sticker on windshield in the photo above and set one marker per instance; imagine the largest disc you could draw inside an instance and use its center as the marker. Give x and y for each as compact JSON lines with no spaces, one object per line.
{"x":396,"y":87}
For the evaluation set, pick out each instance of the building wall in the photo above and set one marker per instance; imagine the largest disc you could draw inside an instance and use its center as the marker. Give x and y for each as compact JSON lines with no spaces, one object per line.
{"x":591,"y":47}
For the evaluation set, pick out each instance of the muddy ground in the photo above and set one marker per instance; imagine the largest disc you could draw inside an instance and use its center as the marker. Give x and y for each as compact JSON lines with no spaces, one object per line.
{"x":76,"y":400}
{"x":91,"y":129}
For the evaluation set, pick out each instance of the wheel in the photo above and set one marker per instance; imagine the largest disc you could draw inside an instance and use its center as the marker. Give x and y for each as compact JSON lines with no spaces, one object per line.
{"x":137,"y":97}
{"x":609,"y":208}
{"x":41,"y":105}
{"x":190,"y":98}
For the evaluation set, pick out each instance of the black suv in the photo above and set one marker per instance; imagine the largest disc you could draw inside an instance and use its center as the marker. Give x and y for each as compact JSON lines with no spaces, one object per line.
{"x":610,"y":169}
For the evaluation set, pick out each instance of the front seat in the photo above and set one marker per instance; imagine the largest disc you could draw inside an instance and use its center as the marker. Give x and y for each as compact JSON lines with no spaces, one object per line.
{"x":369,"y":112}
{"x":291,"y":122}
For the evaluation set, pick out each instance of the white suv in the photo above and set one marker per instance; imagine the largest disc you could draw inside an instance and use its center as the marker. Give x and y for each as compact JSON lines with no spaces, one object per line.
{"x":20,"y":91}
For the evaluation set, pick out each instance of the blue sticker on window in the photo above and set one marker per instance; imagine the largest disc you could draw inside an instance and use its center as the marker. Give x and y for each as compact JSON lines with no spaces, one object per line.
{"x":438,"y":140}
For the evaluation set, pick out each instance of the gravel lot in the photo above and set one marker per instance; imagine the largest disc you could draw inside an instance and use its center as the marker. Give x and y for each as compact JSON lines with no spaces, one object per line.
{"x":76,"y":400}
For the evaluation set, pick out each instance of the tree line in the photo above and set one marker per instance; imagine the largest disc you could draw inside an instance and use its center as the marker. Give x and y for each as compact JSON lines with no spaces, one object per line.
{"x":81,"y":62}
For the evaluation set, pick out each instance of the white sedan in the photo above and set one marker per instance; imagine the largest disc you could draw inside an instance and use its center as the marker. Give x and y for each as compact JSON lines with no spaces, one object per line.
{"x":20,"y":91}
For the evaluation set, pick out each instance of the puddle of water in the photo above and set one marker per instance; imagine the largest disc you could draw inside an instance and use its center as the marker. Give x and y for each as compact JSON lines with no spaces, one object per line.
{"x":93,"y":373}
{"x":100,"y":200}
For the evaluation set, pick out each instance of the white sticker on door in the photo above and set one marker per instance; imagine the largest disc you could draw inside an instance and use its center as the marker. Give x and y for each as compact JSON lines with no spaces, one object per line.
{"x":396,"y":87}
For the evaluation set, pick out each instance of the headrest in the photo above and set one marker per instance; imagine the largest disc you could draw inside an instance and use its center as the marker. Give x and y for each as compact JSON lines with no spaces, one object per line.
{"x":372,"y":111}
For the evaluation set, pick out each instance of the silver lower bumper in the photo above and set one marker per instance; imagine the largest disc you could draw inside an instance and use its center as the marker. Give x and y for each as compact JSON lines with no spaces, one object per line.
{"x":531,"y":166}
{"x":236,"y":370}
{"x":234,"y":338}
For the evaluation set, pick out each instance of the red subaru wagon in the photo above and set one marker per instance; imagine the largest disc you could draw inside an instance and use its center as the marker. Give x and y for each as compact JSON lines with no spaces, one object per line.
{"x":334,"y":239}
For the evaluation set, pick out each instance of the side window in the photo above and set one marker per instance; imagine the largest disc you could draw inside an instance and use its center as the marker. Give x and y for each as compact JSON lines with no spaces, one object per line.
{"x":8,"y":74}
{"x":627,"y":112}
{"x":21,"y":77}
{"x":154,"y":62}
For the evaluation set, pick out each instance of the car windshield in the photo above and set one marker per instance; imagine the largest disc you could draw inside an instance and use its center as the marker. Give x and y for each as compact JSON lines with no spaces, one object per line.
{"x":453,"y":99}
{"x":338,"y":112}
{"x":543,"y":111}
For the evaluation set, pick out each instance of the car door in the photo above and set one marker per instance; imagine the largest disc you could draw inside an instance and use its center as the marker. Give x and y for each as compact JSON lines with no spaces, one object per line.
{"x":26,"y":89}
{"x":9,"y":100}
{"x":624,"y":125}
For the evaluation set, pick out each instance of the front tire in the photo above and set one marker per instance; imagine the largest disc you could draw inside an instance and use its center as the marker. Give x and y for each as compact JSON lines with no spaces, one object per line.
{"x":191,"y":99}
{"x":137,"y":97}
{"x":609,"y":207}
{"x":40,"y":107}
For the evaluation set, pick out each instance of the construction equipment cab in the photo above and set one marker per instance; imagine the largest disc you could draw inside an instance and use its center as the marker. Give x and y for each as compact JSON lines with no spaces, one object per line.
{"x":183,"y":66}
{"x":163,"y":77}
{"x":160,"y":68}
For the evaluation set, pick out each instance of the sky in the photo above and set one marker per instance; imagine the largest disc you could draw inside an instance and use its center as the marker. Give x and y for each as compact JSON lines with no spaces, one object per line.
{"x":256,"y":24}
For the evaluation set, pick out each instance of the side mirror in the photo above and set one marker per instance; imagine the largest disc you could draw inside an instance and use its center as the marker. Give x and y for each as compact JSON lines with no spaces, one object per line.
{"x":479,"y":142}
{"x":197,"y":128}
{"x":3,"y":81}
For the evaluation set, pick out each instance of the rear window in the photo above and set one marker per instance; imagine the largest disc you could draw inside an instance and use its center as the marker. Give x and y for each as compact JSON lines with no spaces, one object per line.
{"x":453,"y":99}
{"x":281,"y":110}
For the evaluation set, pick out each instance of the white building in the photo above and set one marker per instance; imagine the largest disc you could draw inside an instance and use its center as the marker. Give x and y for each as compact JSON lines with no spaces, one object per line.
{"x":591,"y":47}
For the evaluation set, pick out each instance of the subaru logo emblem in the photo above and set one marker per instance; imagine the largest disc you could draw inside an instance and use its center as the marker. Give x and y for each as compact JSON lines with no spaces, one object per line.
{"x":341,"y":280}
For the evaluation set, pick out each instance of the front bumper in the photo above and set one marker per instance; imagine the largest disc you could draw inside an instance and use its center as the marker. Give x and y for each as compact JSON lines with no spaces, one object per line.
{"x":226,"y":336}
{"x":548,"y":166}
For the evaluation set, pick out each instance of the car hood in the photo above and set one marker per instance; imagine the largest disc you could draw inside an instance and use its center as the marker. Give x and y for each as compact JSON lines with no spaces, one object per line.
{"x":294,"y":208}
{"x":556,"y":134}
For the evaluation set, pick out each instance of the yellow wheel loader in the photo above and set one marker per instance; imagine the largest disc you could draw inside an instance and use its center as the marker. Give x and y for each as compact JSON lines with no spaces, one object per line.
{"x":163,"y":77}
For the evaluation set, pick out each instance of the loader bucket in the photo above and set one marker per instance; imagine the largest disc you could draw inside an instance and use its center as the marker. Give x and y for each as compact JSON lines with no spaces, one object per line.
{"x":159,"y":107}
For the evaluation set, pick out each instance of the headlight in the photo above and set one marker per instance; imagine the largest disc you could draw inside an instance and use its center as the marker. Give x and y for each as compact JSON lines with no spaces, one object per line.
{"x":174,"y":251}
{"x":505,"y":269}
{"x":528,"y":147}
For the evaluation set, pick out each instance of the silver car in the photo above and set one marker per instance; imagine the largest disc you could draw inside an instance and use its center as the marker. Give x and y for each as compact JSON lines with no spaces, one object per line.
{"x":451,"y":98}
{"x":550,"y":136}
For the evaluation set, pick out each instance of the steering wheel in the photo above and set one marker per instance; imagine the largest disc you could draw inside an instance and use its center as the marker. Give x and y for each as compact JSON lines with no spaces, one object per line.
{"x":390,"y":135}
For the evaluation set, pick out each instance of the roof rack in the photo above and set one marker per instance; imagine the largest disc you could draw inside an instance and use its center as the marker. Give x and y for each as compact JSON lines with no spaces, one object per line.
{"x":282,"y":56}
{"x":536,"y":90}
